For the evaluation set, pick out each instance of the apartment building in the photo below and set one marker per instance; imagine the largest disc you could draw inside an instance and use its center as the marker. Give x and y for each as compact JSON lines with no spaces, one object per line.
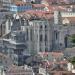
{"x":35,"y":31}
{"x":16,"y":47}
{"x":20,"y":6}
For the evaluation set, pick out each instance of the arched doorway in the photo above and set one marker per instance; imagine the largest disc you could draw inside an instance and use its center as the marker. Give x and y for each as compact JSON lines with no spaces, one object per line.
{"x":66,"y":41}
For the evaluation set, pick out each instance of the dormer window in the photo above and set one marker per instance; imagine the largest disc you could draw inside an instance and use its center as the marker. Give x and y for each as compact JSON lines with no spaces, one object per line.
{"x":66,"y":21}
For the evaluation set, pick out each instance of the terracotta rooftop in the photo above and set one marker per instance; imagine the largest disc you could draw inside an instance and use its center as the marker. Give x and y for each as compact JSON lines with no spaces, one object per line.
{"x":38,"y":5}
{"x":40,"y":14}
{"x":18,"y":2}
{"x":57,"y":53}
{"x":37,"y":11}
{"x":65,"y":1}
{"x":63,"y":62}
{"x":71,"y":19}
{"x":49,"y":63}
{"x":62,"y":72}
{"x":53,"y":53}
{"x":52,"y":8}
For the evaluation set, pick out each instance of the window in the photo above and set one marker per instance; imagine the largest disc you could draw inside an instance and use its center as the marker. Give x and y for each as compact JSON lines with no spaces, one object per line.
{"x":0,"y":61}
{"x":45,"y":37}
{"x":14,"y":37}
{"x":41,"y":27}
{"x":27,"y":38}
{"x":15,"y":59}
{"x":31,"y":35}
{"x":41,"y":37}
{"x":46,"y":49}
{"x":45,"y":26}
{"x":56,"y":35}
{"x":40,"y":49}
{"x":9,"y":24}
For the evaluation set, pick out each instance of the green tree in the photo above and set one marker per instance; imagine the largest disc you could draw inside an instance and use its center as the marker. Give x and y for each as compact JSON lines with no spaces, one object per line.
{"x":73,"y":38}
{"x":72,"y":60}
{"x":32,"y":2}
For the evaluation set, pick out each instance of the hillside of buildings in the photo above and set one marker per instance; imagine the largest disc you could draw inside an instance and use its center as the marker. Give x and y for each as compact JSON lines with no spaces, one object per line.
{"x":37,"y":37}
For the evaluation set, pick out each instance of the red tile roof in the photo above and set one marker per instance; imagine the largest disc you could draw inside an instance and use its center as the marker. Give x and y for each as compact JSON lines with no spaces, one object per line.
{"x":53,"y":53}
{"x":71,"y":19}
{"x":63,"y":62}
{"x":39,"y":13}
{"x":18,"y":2}
{"x":65,"y":1}
{"x":38,"y":5}
{"x":52,"y":8}
{"x":48,"y":63}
